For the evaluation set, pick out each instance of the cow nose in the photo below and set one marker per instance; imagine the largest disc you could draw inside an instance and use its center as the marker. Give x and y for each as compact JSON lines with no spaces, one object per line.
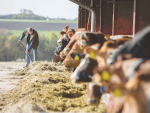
{"x":83,"y":77}
{"x":92,"y":102}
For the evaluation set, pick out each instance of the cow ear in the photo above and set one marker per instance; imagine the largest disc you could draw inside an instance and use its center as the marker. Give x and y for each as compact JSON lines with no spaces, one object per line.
{"x":117,"y":89}
{"x":91,"y":52}
{"x":66,"y":27}
{"x":73,"y":55}
{"x":62,"y":32}
{"x":77,"y":56}
{"x":84,"y":35}
{"x":90,"y":49}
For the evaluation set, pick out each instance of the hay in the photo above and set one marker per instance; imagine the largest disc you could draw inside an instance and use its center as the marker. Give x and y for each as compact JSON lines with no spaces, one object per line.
{"x":47,"y":85}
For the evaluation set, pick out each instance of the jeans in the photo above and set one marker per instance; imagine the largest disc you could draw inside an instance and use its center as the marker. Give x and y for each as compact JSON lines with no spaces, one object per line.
{"x":34,"y":55}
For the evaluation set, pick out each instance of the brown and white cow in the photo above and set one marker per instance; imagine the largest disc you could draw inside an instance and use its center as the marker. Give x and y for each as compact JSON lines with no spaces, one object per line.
{"x":63,"y":41}
{"x":124,"y":100}
{"x":73,"y":40}
{"x":69,"y":62}
{"x":128,"y":72}
{"x":84,"y":71}
{"x":64,"y":31}
{"x":87,"y":38}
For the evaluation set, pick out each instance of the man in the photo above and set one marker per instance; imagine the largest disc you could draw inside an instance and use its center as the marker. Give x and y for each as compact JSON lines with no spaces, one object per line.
{"x":32,"y":42}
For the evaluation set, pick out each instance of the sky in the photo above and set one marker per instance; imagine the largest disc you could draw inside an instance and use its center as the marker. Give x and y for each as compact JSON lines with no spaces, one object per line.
{"x":50,"y":8}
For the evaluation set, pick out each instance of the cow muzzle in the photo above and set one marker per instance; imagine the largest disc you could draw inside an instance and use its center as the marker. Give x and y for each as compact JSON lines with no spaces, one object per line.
{"x":83,"y":77}
{"x":93,"y":101}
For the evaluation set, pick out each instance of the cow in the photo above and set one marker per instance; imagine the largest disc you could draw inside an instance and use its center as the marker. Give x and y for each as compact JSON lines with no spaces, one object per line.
{"x":139,"y":46}
{"x":56,"y":58}
{"x":62,"y":33}
{"x":87,"y":38}
{"x":73,"y":40}
{"x":124,"y":100}
{"x":84,"y":71}
{"x":65,"y":38}
{"x":69,"y":62}
{"x":97,"y":93}
{"x":85,"y":68}
{"x":128,"y":72}
{"x":64,"y":41}
{"x":94,"y":94}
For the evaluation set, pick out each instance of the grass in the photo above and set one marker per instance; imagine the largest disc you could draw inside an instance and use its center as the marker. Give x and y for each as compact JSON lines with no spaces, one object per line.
{"x":42,"y":21}
{"x":46,"y":33}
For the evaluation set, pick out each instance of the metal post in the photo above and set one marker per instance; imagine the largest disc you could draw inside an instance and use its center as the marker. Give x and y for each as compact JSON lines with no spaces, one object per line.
{"x":78,"y":17}
{"x":92,"y":18}
{"x":81,"y":17}
{"x":85,"y":16}
{"x":100,"y":16}
{"x":134,"y":18}
{"x":113,"y":18}
{"x":93,"y":22}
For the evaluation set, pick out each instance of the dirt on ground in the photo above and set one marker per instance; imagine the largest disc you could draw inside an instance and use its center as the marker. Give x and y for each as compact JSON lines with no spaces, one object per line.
{"x":46,"y":87}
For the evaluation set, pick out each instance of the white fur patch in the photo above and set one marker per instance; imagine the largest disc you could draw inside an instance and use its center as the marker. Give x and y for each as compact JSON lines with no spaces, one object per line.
{"x":77,"y":32}
{"x":91,"y":85}
{"x":74,"y":75}
{"x":83,"y":42}
{"x":59,"y":40}
{"x":94,"y":47}
{"x":110,"y":61}
{"x":105,"y":98}
{"x":119,"y":36}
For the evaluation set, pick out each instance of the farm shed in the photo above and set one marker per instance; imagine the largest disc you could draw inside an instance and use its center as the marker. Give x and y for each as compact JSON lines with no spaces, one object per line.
{"x":114,"y":17}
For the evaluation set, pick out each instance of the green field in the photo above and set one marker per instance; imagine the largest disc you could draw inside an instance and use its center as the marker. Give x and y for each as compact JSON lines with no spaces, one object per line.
{"x":46,"y":33}
{"x":42,"y":21}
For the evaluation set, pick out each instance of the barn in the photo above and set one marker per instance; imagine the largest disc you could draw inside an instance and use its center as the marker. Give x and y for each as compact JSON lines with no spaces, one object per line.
{"x":113,"y":17}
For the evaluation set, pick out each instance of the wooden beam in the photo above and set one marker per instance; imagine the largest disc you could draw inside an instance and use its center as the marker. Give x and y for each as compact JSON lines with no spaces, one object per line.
{"x":113,"y":18}
{"x":83,"y":5}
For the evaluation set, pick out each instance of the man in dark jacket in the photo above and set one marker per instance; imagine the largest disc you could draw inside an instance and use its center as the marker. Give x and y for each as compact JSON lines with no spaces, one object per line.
{"x":32,"y":42}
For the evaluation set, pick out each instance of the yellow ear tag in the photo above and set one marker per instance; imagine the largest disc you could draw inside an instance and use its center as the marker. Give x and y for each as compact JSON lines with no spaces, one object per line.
{"x":105,"y":75}
{"x":76,"y":58}
{"x":117,"y":92}
{"x":92,"y":55}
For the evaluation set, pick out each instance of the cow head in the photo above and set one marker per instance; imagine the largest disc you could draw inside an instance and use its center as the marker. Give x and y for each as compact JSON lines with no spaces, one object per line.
{"x":56,"y":58}
{"x":64,"y":53}
{"x":70,"y":33}
{"x":94,"y":94}
{"x":126,"y":100}
{"x":69,"y":62}
{"x":109,"y":75}
{"x":64,"y":31}
{"x":65,"y":40}
{"x":84,"y":71}
{"x":88,"y":38}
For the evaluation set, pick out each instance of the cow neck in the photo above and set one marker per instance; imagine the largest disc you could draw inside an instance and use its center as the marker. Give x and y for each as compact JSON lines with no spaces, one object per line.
{"x":131,"y":70}
{"x":119,"y":71}
{"x":148,"y":101}
{"x":139,"y":97}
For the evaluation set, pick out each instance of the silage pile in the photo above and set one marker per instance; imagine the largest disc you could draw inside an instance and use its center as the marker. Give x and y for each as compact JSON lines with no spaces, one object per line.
{"x":46,"y":87}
